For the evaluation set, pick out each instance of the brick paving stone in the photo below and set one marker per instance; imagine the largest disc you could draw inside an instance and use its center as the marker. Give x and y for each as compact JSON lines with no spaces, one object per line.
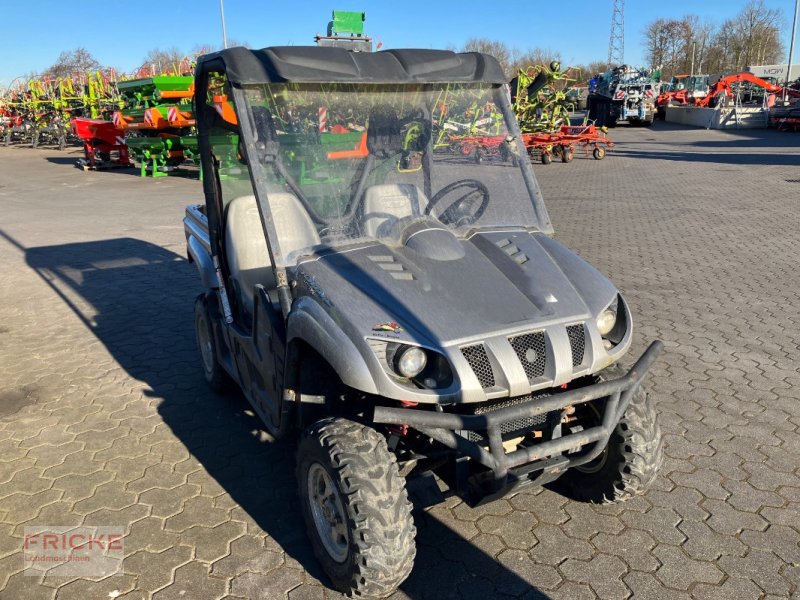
{"x":78,"y":487}
{"x":684,"y":501}
{"x":192,"y":581}
{"x":515,"y":528}
{"x":104,"y":415}
{"x":465,"y":513}
{"x":148,"y":534}
{"x":572,"y":591}
{"x":679,"y":571}
{"x":727,"y":520}
{"x":734,"y":587}
{"x":603,"y":573}
{"x":24,"y":587}
{"x":703,"y":543}
{"x":527,"y":572}
{"x":632,"y":546}
{"x":554,"y":546}
{"x":767,"y":479}
{"x":548,"y":507}
{"x":155,"y":570}
{"x":660,"y":523}
{"x":166,"y":503}
{"x":761,"y":567}
{"x":779,"y":539}
{"x":212,"y":543}
{"x":256,"y":586}
{"x":111,"y":495}
{"x":645,"y":586}
{"x":584,"y":522}
{"x":307,"y":592}
{"x":109,"y":587}
{"x":24,"y":507}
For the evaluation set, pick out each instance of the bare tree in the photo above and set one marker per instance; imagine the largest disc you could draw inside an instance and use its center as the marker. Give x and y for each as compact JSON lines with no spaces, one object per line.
{"x":751,"y":37}
{"x":533,"y":57}
{"x":70,"y":62}
{"x":158,"y":60}
{"x":497,"y":49}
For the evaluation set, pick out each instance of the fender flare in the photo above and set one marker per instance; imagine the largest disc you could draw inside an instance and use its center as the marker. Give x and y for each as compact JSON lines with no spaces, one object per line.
{"x":309,"y":322}
{"x":202,"y":260}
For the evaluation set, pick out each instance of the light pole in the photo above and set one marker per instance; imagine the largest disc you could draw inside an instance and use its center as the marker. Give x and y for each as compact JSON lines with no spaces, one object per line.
{"x":222,"y":15}
{"x":791,"y":50}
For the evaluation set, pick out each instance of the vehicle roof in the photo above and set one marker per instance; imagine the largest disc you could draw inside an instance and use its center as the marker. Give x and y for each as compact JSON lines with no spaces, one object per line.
{"x":314,"y":64}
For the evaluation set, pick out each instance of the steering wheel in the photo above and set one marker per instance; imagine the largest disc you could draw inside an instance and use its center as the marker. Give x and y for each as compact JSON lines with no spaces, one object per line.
{"x":456,"y":214}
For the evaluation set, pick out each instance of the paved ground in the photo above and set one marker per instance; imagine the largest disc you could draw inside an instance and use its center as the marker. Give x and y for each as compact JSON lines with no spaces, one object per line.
{"x":105,"y":420}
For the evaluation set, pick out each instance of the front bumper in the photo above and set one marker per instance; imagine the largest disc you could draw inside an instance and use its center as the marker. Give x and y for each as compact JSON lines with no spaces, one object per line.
{"x":537,"y":463}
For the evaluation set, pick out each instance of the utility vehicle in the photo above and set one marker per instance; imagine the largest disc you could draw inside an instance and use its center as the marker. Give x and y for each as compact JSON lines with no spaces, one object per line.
{"x":407,"y":310}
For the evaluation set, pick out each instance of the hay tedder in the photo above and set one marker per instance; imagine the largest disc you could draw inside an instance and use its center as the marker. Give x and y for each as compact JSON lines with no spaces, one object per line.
{"x":540,"y":99}
{"x":562,"y":144}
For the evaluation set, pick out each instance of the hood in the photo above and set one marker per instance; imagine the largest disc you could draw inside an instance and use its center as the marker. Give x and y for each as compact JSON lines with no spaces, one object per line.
{"x":504,"y":282}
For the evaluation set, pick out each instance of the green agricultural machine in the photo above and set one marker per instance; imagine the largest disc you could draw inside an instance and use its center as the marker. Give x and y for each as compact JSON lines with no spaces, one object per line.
{"x":158,"y":120}
{"x":346,"y":30}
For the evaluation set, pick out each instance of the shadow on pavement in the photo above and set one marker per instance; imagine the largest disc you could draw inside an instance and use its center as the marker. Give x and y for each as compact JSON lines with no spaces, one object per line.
{"x":140,"y":306}
{"x":736,"y":156}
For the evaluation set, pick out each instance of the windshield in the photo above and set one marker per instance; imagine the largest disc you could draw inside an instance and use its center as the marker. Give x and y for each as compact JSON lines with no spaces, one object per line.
{"x":361,"y":158}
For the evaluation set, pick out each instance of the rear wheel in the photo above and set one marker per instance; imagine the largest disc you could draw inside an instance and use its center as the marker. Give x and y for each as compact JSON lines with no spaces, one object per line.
{"x":567,"y":154}
{"x":356,"y":508}
{"x":599,"y":153}
{"x":630,"y":462}
{"x":546,"y":158}
{"x":215,"y":375}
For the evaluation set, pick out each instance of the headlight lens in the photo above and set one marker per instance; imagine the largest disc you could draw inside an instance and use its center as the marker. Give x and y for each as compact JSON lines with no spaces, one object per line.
{"x":410,"y":361}
{"x":606,"y":321}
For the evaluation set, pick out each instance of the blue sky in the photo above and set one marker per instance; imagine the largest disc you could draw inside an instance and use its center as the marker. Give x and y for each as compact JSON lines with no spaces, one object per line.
{"x":120,"y":33}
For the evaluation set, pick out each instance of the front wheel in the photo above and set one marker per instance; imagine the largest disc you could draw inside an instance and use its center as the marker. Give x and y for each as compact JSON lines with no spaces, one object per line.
{"x":630,"y":462}
{"x":599,"y":153}
{"x":356,"y":508}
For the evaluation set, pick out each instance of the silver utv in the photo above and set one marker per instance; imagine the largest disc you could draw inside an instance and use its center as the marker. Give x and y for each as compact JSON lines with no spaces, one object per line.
{"x":406,"y":308}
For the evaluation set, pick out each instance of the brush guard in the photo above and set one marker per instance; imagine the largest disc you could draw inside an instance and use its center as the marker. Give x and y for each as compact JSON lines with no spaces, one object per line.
{"x":536,"y":463}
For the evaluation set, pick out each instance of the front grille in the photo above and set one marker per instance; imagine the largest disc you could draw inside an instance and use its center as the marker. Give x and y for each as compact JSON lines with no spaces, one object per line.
{"x":577,"y":343}
{"x":530,"y":349}
{"x":479,"y":361}
{"x":511,"y":427}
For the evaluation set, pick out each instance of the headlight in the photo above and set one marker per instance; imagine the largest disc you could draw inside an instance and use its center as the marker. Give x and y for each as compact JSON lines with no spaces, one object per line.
{"x":410,"y":361}
{"x":606,"y":321}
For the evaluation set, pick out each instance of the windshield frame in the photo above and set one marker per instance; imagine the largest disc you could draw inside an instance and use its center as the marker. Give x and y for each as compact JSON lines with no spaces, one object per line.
{"x":261,"y":157}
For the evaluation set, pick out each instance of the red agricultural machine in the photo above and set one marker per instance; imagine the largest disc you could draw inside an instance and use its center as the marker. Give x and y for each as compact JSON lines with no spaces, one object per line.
{"x":103,"y":143}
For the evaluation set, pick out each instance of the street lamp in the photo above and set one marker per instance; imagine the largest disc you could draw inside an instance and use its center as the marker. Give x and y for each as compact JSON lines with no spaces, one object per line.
{"x":791,"y":50}
{"x":222,"y":16}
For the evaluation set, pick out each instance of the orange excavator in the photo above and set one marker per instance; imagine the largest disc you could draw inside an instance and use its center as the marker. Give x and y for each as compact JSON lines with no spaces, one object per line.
{"x":720,"y":93}
{"x":717,"y":94}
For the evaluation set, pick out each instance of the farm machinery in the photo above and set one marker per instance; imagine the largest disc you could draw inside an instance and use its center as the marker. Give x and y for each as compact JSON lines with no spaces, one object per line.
{"x":156,"y":121}
{"x":541,"y":101}
{"x":542,"y":105}
{"x":39,"y":110}
{"x":623,"y":94}
{"x":702,"y":91}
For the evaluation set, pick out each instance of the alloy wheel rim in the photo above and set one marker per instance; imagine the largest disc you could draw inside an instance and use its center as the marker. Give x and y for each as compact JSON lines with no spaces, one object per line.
{"x":328,"y":512}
